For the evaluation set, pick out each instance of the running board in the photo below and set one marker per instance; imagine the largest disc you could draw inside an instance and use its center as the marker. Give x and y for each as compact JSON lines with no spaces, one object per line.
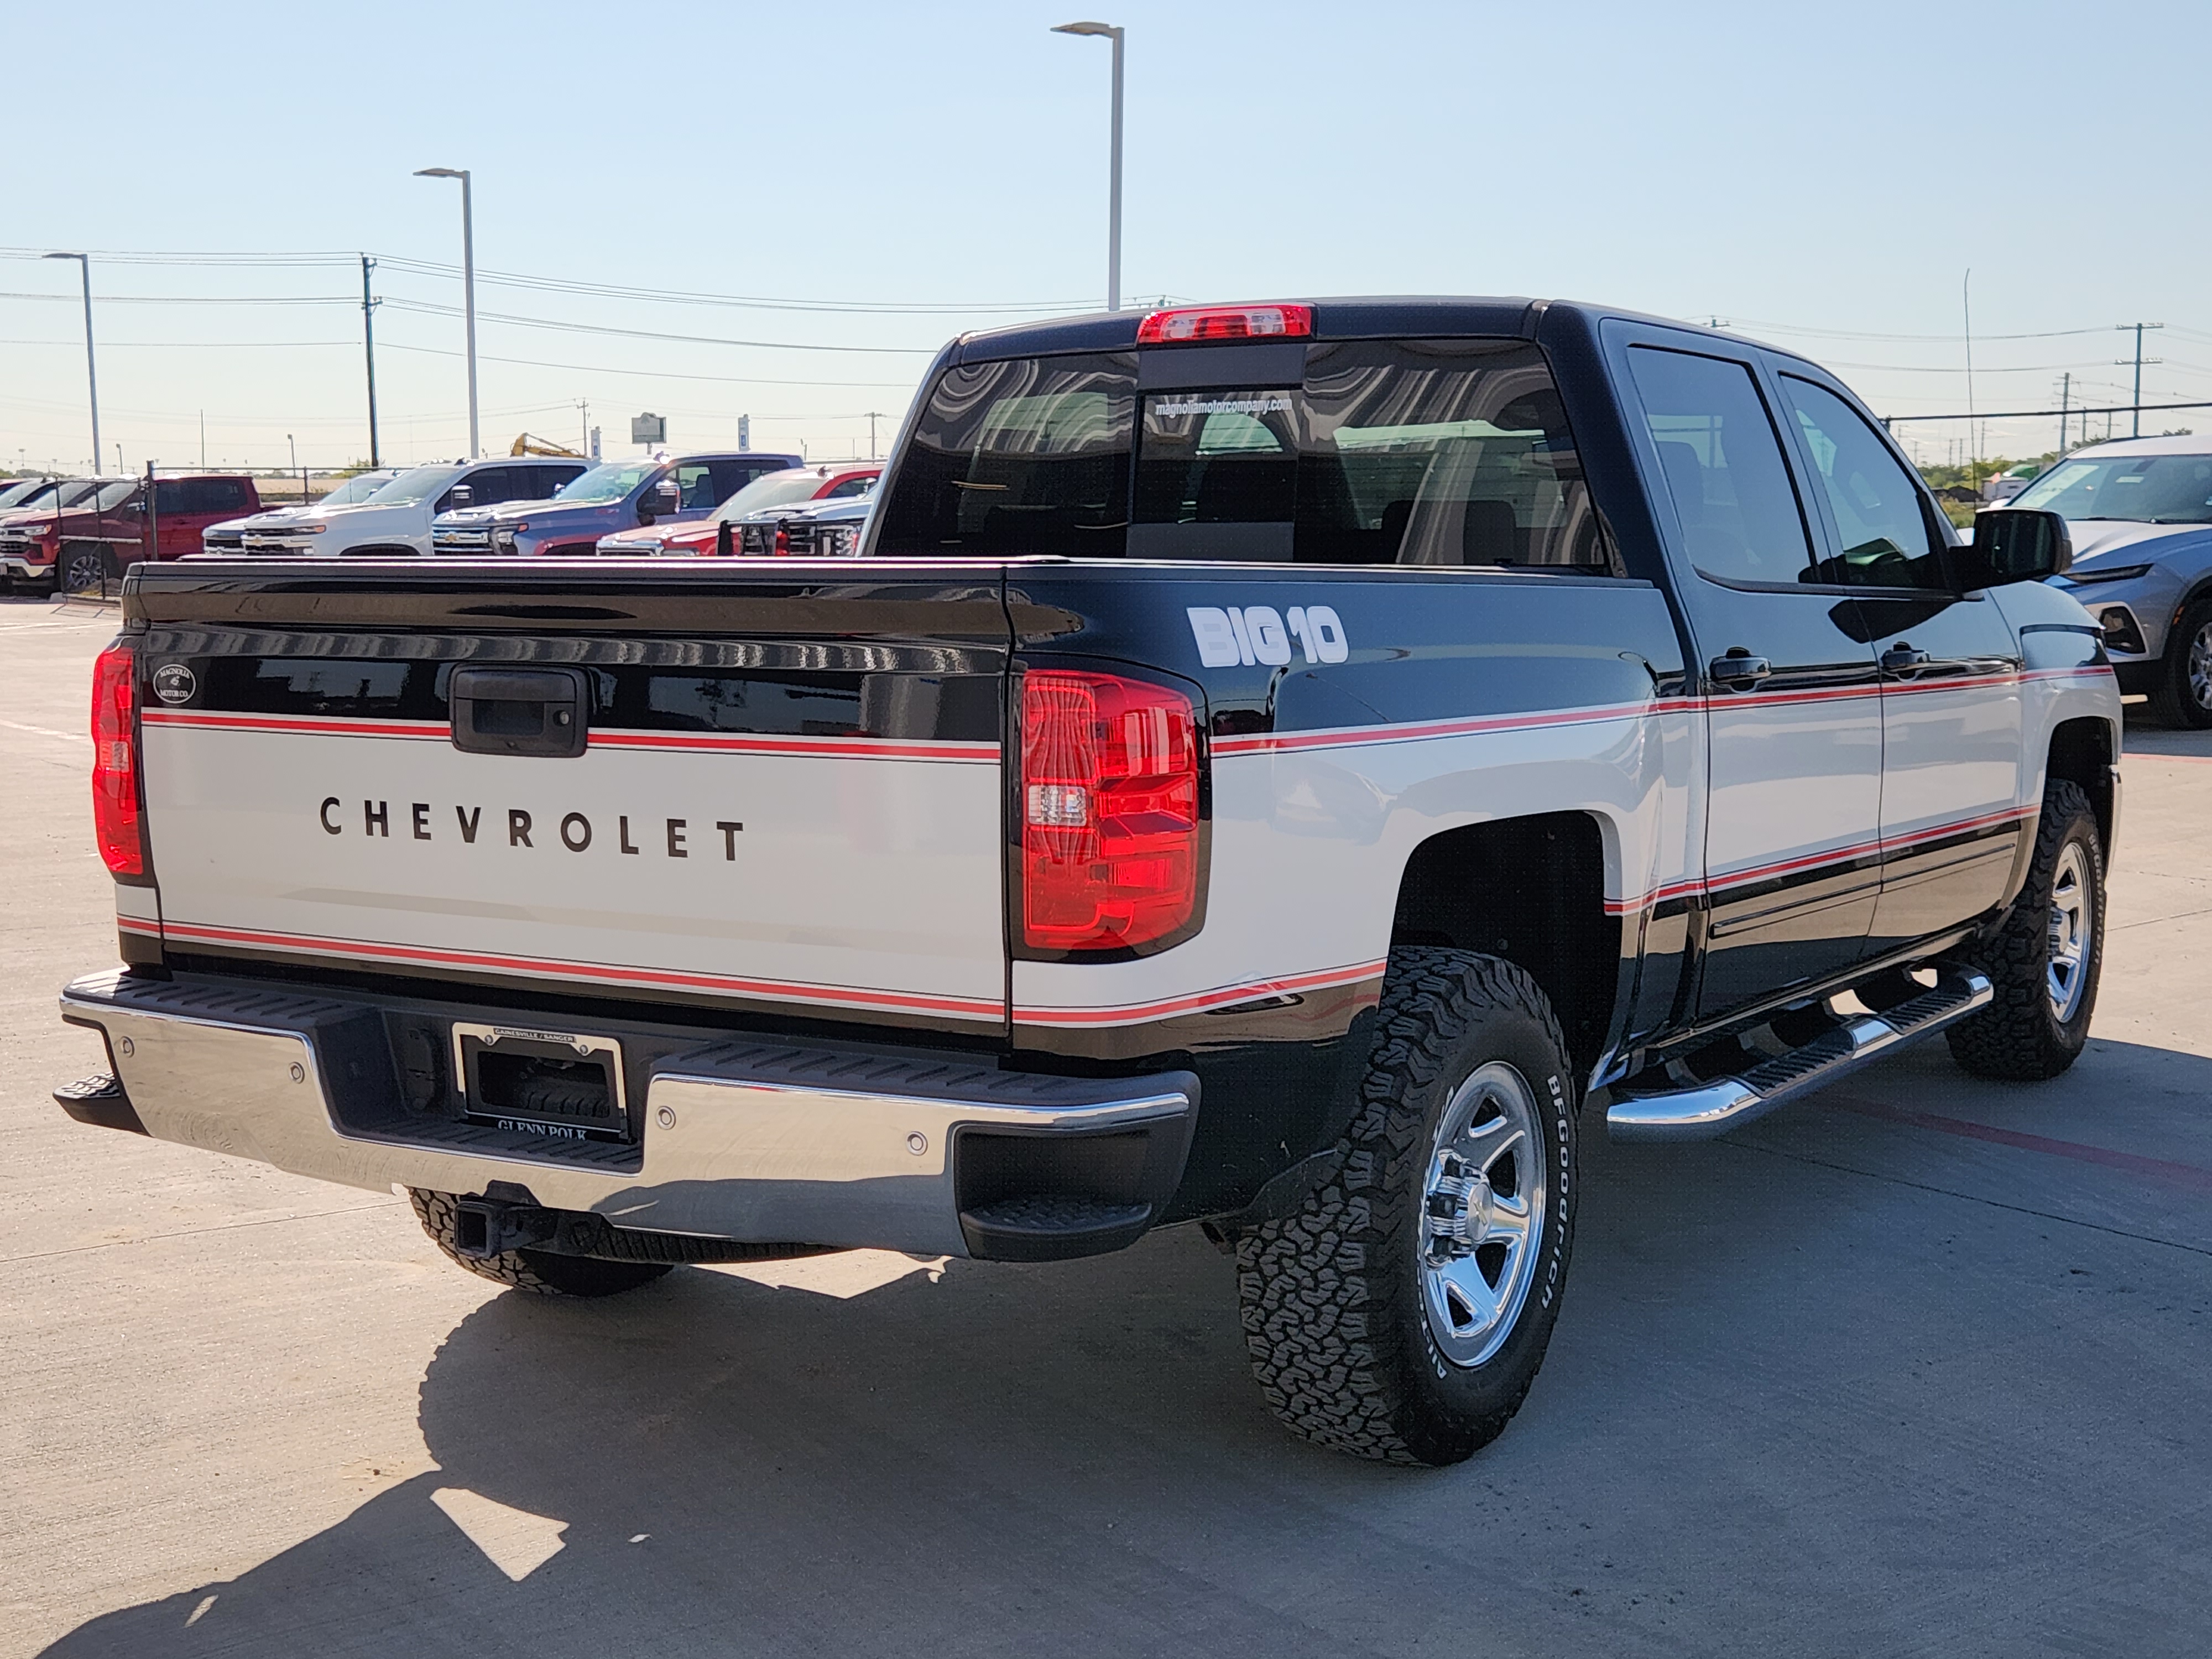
{"x":1713,"y":1108}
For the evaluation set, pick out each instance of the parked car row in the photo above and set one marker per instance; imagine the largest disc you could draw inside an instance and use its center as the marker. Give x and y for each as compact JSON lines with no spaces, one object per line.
{"x":77,"y":533}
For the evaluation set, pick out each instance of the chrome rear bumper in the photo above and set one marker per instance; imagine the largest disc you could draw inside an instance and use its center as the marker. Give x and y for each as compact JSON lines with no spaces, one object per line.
{"x":737,"y":1140}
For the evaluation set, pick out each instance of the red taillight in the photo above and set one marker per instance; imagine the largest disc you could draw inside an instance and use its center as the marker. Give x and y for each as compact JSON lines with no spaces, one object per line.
{"x":1109,"y":812}
{"x":782,"y":541}
{"x":1196,"y":323}
{"x":115,"y":761}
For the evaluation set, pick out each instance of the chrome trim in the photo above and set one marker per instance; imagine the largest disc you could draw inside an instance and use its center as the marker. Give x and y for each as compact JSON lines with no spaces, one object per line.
{"x":1713,"y":1108}
{"x":723,"y":1154}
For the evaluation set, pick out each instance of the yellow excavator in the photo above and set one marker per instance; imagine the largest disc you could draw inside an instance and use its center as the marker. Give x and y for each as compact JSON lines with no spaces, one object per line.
{"x":529,"y":445}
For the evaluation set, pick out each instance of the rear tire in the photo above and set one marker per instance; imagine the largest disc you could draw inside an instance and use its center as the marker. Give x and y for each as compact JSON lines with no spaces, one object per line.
{"x":541,"y":1273}
{"x":2045,"y":961}
{"x":1402,"y":1312}
{"x":2183,"y":695}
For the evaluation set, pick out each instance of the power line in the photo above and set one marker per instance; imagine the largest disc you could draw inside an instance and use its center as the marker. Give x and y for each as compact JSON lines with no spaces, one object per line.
{"x":649,"y":374}
{"x":432,"y":308}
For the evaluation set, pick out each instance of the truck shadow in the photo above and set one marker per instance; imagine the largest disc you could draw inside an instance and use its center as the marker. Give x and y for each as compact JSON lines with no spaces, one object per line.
{"x":1074,"y":1460}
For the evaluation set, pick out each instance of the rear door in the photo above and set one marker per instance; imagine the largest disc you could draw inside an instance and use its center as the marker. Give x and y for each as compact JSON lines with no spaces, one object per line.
{"x":1791,"y":695}
{"x":1952,"y":815}
{"x":789,"y":798}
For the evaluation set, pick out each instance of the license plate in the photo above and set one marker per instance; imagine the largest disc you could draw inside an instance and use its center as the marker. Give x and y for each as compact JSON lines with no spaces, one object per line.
{"x":566,"y":1086}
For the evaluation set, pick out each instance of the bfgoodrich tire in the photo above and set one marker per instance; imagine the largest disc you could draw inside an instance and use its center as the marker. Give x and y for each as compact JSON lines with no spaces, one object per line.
{"x":1401,"y":1314}
{"x":2044,"y":962}
{"x":541,"y":1273}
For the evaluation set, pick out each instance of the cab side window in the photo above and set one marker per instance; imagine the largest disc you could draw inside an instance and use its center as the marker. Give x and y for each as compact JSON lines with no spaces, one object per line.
{"x":1722,"y":463}
{"x":1883,"y":531}
{"x":696,"y":480}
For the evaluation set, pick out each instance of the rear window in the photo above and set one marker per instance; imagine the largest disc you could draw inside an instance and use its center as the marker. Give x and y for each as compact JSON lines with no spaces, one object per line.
{"x":1411,"y":452}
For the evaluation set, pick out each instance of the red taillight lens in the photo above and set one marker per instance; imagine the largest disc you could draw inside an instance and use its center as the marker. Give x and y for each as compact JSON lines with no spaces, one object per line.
{"x":1109,"y":812}
{"x":115,"y":761}
{"x":783,"y":541}
{"x":1196,"y":322}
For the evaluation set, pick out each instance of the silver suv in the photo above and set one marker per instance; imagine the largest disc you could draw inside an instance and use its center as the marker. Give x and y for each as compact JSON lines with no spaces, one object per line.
{"x":2140,"y":514}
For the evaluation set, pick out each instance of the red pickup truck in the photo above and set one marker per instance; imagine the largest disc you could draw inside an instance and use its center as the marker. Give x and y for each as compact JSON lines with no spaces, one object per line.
{"x":79,"y":547}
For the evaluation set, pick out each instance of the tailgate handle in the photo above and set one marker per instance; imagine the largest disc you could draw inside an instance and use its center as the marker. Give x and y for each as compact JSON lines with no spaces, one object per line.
{"x":520,"y":711}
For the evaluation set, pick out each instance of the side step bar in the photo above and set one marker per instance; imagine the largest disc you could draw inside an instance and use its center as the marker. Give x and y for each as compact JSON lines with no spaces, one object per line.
{"x":1708,"y":1109}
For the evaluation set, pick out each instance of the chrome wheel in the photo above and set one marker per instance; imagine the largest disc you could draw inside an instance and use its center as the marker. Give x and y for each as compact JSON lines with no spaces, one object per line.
{"x":1482,"y":1214}
{"x":2073,"y":926}
{"x":2198,"y":668}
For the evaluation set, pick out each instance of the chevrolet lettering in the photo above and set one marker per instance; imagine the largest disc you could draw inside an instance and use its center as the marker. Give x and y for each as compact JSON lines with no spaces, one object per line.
{"x":1289,"y":769}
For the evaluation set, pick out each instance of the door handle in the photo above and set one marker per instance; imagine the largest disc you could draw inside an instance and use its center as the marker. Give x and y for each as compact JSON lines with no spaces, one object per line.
{"x":1739,"y":670}
{"x":1903,"y":658}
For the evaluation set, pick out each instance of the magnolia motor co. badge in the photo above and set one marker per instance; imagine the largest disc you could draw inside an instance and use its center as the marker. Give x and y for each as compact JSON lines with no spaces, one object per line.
{"x":174,"y":683}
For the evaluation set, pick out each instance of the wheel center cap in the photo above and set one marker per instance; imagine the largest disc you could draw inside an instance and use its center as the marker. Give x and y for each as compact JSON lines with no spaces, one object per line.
{"x":1459,"y":1210}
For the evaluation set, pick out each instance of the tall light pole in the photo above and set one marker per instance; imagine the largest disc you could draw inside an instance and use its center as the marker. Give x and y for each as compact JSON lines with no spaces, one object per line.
{"x":468,"y":286}
{"x":1111,"y":32}
{"x":91,"y":375}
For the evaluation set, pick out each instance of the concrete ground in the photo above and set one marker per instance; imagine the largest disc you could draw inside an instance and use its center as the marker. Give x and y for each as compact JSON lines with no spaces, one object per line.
{"x":1918,"y":1367}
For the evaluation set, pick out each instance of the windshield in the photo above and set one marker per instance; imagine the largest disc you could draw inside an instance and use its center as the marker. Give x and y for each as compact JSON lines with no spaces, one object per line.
{"x":414,"y":486}
{"x":2143,"y":489}
{"x":27,"y":489}
{"x":115,"y":495}
{"x":772,"y":489}
{"x":609,"y":482}
{"x":358,"y":488}
{"x":78,"y":493}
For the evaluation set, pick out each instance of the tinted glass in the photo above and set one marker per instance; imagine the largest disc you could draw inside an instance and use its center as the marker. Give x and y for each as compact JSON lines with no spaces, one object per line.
{"x":730,"y":477}
{"x":171,"y":496}
{"x":1028,"y":456}
{"x":113,"y":495}
{"x":2144,"y":489}
{"x":1448,"y":452}
{"x":1723,"y":467}
{"x":1885,"y":535}
{"x":858,"y":484}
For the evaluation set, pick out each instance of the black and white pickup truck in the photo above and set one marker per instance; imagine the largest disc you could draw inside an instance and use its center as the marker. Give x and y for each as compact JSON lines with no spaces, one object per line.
{"x":1267,"y":766}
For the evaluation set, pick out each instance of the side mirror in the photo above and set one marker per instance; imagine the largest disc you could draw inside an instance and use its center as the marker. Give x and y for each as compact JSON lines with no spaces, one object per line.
{"x":459,"y":496}
{"x":2017,"y":545}
{"x":663,"y":499}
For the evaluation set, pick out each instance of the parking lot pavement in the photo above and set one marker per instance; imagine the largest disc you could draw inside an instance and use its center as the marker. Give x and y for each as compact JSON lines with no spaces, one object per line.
{"x":1917,"y":1367}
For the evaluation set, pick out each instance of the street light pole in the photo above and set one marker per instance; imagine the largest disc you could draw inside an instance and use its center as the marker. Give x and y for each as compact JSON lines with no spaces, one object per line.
{"x":468,"y":286}
{"x":368,"y":346}
{"x":1114,"y":33}
{"x":91,"y":374}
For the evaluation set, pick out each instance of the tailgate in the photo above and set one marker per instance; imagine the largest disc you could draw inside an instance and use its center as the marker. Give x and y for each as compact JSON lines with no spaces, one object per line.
{"x":785,"y":794}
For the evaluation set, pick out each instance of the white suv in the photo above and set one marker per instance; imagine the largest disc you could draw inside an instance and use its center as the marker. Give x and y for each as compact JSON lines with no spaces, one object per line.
{"x":396,"y":519}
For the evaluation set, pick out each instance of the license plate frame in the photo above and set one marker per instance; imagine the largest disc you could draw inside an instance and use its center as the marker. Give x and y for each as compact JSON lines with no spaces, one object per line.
{"x":560,"y":1085}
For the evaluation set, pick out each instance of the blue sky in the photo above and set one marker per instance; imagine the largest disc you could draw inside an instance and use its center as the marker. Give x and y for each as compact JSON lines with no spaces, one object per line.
{"x":1821,"y":176}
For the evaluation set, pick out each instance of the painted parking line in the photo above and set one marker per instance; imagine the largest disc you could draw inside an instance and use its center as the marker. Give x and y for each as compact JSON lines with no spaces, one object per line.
{"x":2194,"y":1177}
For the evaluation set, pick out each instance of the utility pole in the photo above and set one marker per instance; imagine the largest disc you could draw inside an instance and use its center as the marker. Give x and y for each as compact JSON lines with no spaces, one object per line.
{"x":2065,"y":397}
{"x":91,"y":374}
{"x":874,"y":415}
{"x":2134,"y":429}
{"x":584,"y":408}
{"x":368,"y":346}
{"x":1966,"y":306}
